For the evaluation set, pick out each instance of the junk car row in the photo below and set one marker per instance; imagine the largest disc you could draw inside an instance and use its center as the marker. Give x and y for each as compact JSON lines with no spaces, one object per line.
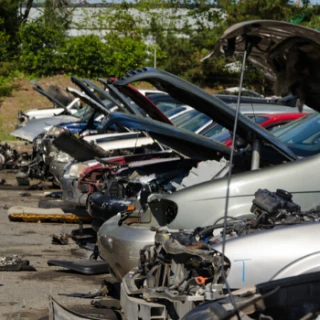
{"x":153,"y":167}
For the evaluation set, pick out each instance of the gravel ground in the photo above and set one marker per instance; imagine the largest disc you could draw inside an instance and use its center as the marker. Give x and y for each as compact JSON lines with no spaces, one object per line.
{"x":24,"y":294}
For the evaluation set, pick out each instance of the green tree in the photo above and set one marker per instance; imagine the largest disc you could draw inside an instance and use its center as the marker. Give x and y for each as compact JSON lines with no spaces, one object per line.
{"x":125,"y":46}
{"x":13,"y":13}
{"x":85,"y":56}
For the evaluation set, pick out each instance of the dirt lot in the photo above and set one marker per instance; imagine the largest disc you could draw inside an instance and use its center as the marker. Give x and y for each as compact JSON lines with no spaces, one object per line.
{"x":24,"y":294}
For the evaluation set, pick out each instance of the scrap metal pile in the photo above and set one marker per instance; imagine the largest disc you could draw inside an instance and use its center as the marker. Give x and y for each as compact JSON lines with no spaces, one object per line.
{"x":183,"y":221}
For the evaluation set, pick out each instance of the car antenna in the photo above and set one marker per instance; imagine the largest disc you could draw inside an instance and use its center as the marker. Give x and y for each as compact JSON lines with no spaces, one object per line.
{"x":228,"y":186}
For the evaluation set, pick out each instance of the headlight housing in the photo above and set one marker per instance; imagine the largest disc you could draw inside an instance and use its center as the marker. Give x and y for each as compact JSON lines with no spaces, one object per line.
{"x":76,"y":169}
{"x":164,"y":211}
{"x":63,"y":157}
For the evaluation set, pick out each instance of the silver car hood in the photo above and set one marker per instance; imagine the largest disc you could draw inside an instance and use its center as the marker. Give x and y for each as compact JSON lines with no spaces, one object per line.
{"x":206,"y":103}
{"x":36,"y":126}
{"x":287,"y":54}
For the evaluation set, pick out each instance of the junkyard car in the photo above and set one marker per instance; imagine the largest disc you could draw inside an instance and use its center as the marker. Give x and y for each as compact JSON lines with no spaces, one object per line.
{"x":184,"y":268}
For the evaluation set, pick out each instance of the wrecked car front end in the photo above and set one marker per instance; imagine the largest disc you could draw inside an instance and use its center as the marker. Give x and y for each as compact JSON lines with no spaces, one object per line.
{"x":182,"y":269}
{"x":175,"y":275}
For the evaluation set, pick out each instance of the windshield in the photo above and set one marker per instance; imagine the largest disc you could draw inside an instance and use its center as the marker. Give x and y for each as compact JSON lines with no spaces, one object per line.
{"x":175,"y":111}
{"x":165,"y":107}
{"x":215,"y":132}
{"x":86,"y":112}
{"x":196,"y":123}
{"x":82,"y":112}
{"x":180,"y":119}
{"x":302,"y":136}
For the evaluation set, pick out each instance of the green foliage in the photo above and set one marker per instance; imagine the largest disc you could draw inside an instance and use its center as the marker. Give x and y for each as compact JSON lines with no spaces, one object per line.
{"x":11,"y":18}
{"x":5,"y":86}
{"x":237,"y":11}
{"x":40,"y":48}
{"x":124,"y":53}
{"x":85,"y":56}
{"x":44,"y":48}
{"x":4,"y":41}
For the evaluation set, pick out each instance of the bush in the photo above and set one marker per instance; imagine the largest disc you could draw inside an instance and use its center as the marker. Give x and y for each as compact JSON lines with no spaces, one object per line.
{"x":39,"y":48}
{"x":5,"y":87}
{"x":84,"y":56}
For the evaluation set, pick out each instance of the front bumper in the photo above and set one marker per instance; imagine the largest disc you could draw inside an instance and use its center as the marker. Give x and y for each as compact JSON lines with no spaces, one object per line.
{"x":57,"y":169}
{"x":139,"y":305}
{"x":134,"y":308}
{"x":120,"y":246}
{"x":71,"y":192}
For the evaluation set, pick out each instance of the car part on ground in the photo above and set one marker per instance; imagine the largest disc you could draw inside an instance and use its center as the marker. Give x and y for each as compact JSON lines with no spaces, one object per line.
{"x":15,"y":263}
{"x":10,"y":158}
{"x":89,"y":267}
{"x":99,"y":310}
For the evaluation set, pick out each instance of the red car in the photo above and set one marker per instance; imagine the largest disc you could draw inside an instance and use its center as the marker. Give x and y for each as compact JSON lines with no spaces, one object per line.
{"x":268,"y":121}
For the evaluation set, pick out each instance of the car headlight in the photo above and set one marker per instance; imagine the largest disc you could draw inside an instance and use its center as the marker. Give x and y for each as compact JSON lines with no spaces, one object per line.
{"x":76,"y":169}
{"x":63,"y":157}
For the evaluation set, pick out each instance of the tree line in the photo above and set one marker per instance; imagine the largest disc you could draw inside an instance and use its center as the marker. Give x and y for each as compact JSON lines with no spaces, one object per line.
{"x":42,"y":47}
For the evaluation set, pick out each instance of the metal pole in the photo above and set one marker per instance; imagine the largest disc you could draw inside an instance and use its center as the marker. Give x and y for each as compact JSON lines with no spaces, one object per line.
{"x":255,"y":162}
{"x":228,"y":186}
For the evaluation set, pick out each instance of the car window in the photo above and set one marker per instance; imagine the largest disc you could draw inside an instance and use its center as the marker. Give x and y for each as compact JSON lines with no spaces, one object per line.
{"x":302,"y":136}
{"x":165,"y":107}
{"x":276,"y":126}
{"x":172,"y":112}
{"x":180,"y":119}
{"x":196,"y":123}
{"x":83,"y":112}
{"x":258,"y":119}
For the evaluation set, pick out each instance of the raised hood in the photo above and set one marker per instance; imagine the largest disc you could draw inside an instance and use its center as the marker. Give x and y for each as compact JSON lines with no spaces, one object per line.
{"x":182,"y":141}
{"x":205,"y":103}
{"x":287,"y":54}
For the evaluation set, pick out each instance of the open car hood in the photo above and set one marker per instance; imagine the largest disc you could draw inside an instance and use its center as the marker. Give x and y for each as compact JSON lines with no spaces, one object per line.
{"x":206,"y":103}
{"x":287,"y":54}
{"x":184,"y":142}
{"x":35,"y":127}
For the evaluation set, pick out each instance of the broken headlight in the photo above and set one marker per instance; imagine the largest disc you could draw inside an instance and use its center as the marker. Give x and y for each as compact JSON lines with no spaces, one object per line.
{"x":164,"y":211}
